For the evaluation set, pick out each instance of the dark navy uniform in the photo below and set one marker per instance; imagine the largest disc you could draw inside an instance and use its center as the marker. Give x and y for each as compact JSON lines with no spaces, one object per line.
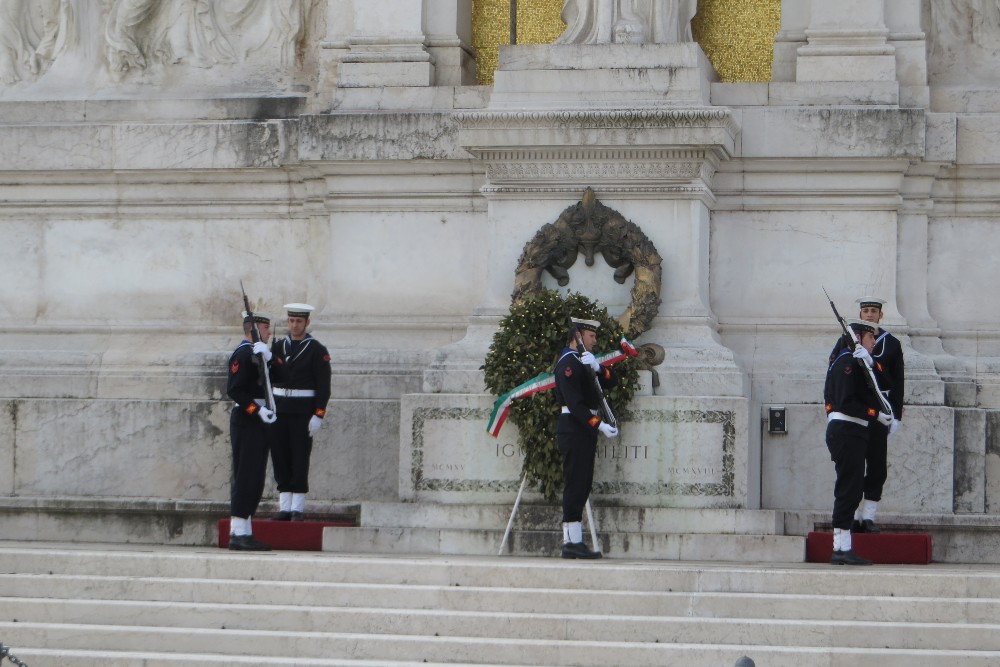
{"x":248,"y":434}
{"x":888,"y":353}
{"x":852,"y":408}
{"x":577,"y":429}
{"x":303,"y":393}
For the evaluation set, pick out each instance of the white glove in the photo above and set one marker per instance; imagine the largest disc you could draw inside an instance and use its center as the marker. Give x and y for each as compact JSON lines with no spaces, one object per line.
{"x":863,"y":355}
{"x":894,"y":426}
{"x":261,"y":348}
{"x":588,"y":359}
{"x":885,"y":418}
{"x":608,"y":430}
{"x":314,"y":425}
{"x":267,"y":415}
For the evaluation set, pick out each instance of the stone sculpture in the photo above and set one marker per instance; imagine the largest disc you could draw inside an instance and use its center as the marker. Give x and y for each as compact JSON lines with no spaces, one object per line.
{"x":32,"y":32}
{"x":590,"y":227}
{"x":627,"y":21}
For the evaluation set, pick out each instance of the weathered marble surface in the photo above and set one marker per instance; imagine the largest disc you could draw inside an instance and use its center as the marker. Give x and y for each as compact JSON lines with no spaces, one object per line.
{"x":130,"y":448}
{"x":8,"y":423}
{"x":798,"y":472}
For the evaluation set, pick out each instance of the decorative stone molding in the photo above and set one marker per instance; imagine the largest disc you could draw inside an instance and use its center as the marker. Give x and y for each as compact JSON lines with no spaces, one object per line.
{"x":599,"y":119}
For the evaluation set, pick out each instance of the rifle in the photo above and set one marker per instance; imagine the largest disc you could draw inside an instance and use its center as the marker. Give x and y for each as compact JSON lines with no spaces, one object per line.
{"x":255,"y":337}
{"x":870,"y":375}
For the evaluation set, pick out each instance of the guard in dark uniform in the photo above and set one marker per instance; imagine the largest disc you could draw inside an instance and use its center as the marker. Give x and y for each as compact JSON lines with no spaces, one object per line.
{"x":888,"y":352}
{"x":249,"y":424}
{"x":852,"y":409}
{"x":578,"y":428}
{"x":301,"y":403}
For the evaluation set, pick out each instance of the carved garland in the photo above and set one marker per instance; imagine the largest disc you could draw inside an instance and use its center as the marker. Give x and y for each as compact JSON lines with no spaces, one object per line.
{"x":591,"y":227}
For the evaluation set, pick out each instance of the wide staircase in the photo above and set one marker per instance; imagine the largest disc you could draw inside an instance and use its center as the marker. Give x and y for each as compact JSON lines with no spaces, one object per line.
{"x":76,"y":605}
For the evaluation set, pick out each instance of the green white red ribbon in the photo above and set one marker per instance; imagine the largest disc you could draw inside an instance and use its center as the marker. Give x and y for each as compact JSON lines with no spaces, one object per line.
{"x":544,"y":382}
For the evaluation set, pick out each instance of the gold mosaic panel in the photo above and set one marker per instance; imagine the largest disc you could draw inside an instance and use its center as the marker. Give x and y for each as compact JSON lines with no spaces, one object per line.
{"x":737,"y":35}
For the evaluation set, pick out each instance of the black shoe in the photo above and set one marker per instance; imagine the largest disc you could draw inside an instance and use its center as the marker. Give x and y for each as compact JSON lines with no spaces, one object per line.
{"x":857,"y":527}
{"x":848,"y":558}
{"x":283,"y":515}
{"x":246,"y":543}
{"x":578,"y":550}
{"x":297,"y":516}
{"x":869,"y":527}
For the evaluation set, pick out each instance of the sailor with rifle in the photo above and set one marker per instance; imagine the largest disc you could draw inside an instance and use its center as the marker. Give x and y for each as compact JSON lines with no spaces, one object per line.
{"x":854,"y":405}
{"x":888,"y":352}
{"x":249,"y":385}
{"x":580,"y":380}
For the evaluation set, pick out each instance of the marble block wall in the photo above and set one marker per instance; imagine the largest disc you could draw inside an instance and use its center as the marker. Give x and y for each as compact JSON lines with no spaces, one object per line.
{"x":178,"y":449}
{"x":798,"y":473}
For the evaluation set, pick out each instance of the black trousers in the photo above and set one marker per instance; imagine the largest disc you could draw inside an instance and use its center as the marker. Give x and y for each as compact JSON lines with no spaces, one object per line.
{"x":291,"y":449}
{"x":249,"y":439}
{"x":848,"y":444}
{"x":578,"y":449}
{"x":876,"y":461}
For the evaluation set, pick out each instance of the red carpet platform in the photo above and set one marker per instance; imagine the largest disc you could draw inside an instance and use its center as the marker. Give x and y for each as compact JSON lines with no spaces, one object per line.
{"x":884,"y":548}
{"x":285,"y":535}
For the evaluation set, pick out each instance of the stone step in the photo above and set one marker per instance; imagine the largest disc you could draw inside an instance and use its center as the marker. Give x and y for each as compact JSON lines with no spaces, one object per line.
{"x":547,"y":517}
{"x":165,"y":563}
{"x":516,"y":600}
{"x":81,"y":606}
{"x":550,"y":651}
{"x":50,"y":658}
{"x":269,"y":620}
{"x":642,"y":546}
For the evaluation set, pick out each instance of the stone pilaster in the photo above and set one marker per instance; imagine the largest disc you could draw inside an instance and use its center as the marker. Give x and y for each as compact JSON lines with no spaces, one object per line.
{"x":847,"y":57}
{"x":387,"y":47}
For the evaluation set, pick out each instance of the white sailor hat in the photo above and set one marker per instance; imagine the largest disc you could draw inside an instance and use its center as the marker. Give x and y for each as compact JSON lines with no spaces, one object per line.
{"x":299,"y":309}
{"x":257,"y":317}
{"x":589,"y":325}
{"x":870,"y":302}
{"x":863,"y":325}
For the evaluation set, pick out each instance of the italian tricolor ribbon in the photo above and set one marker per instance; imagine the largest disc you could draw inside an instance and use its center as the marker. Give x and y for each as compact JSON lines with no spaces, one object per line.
{"x":544,"y":382}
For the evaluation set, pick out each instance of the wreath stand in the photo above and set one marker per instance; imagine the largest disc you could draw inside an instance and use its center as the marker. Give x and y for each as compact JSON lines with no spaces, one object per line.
{"x":513,"y":514}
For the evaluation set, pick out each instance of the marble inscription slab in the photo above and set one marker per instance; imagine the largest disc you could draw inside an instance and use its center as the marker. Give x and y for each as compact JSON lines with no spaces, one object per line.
{"x":688,"y":452}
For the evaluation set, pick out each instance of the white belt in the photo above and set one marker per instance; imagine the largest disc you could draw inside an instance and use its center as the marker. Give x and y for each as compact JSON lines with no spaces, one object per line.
{"x":840,"y":416}
{"x":293,"y":393}
{"x":565,"y":411}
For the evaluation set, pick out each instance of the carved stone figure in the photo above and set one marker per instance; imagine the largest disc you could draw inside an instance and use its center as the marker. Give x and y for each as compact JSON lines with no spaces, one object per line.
{"x":172,"y":31}
{"x":590,"y":227}
{"x":202,"y":33}
{"x":627,"y":21}
{"x":32,"y":32}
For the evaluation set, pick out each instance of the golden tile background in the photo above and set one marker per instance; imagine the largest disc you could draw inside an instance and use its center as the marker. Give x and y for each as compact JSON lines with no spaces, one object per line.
{"x":737,"y":35}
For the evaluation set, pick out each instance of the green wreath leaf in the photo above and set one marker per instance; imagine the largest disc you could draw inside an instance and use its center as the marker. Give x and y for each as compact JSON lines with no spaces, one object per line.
{"x":527,"y":343}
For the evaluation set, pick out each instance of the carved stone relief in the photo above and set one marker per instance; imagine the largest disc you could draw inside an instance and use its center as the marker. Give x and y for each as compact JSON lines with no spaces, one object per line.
{"x":590,"y":227}
{"x":32,"y":33}
{"x":105,"y":43}
{"x":627,"y":21}
{"x":965,"y":42}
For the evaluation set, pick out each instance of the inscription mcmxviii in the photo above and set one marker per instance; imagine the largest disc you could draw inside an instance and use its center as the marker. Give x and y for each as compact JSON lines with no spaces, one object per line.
{"x":696,"y":464}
